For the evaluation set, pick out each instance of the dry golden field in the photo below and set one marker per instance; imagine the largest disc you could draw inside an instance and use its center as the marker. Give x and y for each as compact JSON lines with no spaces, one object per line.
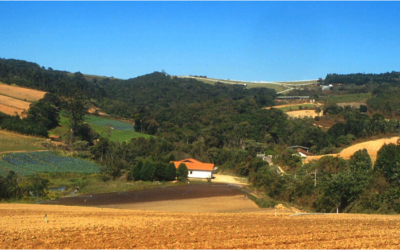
{"x":15,"y":100}
{"x":12,"y":102}
{"x":12,"y":111}
{"x":26,"y":94}
{"x":24,"y":226}
{"x":302,"y":113}
{"x":372,"y":147}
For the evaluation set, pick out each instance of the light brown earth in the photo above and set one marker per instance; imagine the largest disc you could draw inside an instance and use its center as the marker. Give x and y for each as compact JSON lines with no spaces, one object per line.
{"x":302,"y":113}
{"x":15,"y":103}
{"x":372,"y":147}
{"x":26,"y":94}
{"x":12,"y":111}
{"x":24,"y":226}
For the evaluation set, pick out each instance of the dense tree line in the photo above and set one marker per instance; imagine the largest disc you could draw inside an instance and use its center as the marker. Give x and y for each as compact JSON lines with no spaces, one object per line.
{"x":42,"y":116}
{"x":13,"y":188}
{"x":348,"y":185}
{"x":362,"y":78}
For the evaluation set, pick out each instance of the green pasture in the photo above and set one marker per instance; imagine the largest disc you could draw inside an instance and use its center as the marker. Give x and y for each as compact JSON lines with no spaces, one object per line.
{"x":277,"y":87}
{"x":348,"y":98}
{"x":14,"y":142}
{"x":297,"y":107}
{"x":112,"y":129}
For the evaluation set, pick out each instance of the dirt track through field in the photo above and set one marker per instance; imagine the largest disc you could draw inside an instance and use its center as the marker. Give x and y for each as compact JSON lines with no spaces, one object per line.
{"x":24,"y":226}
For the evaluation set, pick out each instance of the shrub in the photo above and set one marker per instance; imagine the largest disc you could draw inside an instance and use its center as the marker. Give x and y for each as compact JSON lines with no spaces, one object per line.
{"x":182,"y":172}
{"x":170,"y":172}
{"x":147,"y":171}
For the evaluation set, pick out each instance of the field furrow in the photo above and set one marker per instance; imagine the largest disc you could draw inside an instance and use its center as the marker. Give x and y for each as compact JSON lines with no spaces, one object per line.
{"x":23,"y":226}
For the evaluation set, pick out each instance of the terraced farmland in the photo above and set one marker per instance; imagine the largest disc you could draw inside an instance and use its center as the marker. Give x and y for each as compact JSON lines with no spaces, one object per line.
{"x":46,"y":161}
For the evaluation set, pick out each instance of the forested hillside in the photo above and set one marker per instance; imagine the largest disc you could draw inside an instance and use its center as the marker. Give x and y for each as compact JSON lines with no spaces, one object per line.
{"x":223,"y":124}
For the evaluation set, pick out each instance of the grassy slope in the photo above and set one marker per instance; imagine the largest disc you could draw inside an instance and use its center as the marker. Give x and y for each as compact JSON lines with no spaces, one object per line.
{"x":348,"y":98}
{"x":16,"y":142}
{"x":212,"y":81}
{"x":100,"y":126}
{"x":296,"y":107}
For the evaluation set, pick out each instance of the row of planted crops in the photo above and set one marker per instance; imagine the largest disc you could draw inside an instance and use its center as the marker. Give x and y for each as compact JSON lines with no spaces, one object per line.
{"x":44,"y":162}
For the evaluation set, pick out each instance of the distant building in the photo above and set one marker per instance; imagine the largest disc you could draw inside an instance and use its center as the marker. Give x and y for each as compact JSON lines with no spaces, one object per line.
{"x":302,"y":151}
{"x":197,"y":169}
{"x":326,"y":87}
{"x":267,"y":158}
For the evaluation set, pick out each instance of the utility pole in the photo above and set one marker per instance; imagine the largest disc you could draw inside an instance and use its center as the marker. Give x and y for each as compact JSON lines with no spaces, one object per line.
{"x":315,"y":178}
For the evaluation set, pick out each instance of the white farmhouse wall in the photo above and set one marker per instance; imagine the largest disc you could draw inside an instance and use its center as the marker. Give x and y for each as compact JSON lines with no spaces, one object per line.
{"x":199,"y":174}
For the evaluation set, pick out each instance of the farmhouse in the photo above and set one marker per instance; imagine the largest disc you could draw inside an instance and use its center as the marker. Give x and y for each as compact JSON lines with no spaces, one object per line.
{"x":197,"y":169}
{"x":302,"y":151}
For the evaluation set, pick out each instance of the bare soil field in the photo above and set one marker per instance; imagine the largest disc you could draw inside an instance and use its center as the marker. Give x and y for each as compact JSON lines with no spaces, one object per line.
{"x":372,"y":146}
{"x":24,"y":226}
{"x":15,"y":103}
{"x":188,"y":198}
{"x":26,"y":94}
{"x":302,"y":113}
{"x":12,"y":111}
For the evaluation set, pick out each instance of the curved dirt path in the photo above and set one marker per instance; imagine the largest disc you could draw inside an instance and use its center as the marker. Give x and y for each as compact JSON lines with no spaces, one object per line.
{"x":221,"y":178}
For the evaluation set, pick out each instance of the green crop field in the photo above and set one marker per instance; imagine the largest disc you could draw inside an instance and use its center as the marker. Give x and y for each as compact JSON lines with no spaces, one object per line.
{"x":45,"y":162}
{"x":15,"y":142}
{"x":117,"y":125}
{"x":109,"y":128}
{"x":348,"y":98}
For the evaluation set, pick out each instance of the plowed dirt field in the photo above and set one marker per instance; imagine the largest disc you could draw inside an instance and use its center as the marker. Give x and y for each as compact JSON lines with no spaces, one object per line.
{"x":24,"y":226}
{"x":187,"y":198}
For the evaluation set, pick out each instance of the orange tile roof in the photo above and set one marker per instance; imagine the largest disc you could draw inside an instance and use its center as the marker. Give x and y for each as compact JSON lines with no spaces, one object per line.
{"x":192,"y":164}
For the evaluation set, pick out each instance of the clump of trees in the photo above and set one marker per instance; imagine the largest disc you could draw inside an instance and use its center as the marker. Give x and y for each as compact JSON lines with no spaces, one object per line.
{"x":13,"y":188}
{"x":148,"y":170}
{"x":352,"y":185}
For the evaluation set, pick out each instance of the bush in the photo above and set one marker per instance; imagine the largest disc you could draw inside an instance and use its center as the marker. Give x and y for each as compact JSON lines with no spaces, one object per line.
{"x":182,"y":172}
{"x":170,"y":172}
{"x":147,"y":171}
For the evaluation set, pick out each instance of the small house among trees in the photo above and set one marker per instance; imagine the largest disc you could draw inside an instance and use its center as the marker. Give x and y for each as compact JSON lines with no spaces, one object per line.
{"x":197,"y":169}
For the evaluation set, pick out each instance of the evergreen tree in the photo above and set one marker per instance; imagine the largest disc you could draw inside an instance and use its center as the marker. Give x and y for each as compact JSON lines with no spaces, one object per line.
{"x":170,"y":172}
{"x":182,"y":172}
{"x":147,"y":171}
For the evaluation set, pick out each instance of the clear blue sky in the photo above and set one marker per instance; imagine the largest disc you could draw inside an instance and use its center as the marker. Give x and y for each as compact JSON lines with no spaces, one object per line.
{"x":254,"y":41}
